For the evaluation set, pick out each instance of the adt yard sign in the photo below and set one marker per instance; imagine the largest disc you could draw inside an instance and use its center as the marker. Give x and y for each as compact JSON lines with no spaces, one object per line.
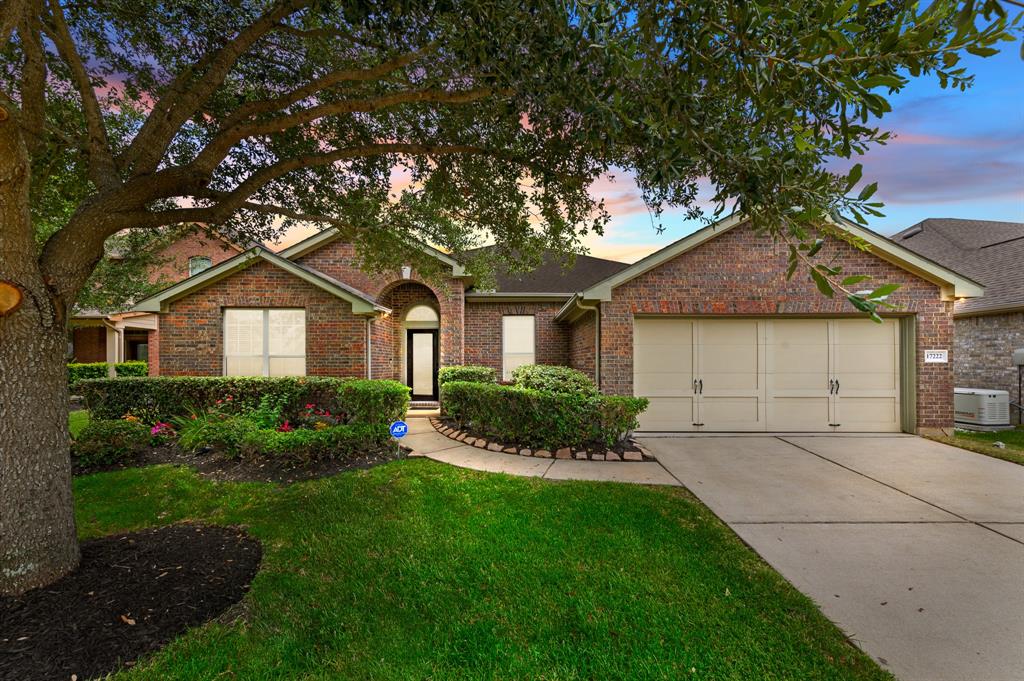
{"x":399,"y":429}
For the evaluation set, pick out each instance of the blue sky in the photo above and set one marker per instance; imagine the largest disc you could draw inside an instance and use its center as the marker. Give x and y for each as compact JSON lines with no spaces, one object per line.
{"x":956,"y":154}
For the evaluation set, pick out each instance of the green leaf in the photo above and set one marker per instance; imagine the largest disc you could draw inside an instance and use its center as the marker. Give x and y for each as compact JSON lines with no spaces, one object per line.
{"x":822,"y":283}
{"x":853,"y":177}
{"x":868,"y":191}
{"x":815,"y":247}
{"x":883,"y":80}
{"x":855,"y":279}
{"x":883,"y":291}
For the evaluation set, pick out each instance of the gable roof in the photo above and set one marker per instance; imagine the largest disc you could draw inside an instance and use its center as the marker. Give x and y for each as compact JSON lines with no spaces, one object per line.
{"x":991,"y":252}
{"x":551,"y":278}
{"x":362,"y":304}
{"x":953,"y":285}
{"x":322,"y":238}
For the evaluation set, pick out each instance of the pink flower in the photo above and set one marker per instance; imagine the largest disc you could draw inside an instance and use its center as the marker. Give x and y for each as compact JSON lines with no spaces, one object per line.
{"x":310,"y":405}
{"x":285,"y":427}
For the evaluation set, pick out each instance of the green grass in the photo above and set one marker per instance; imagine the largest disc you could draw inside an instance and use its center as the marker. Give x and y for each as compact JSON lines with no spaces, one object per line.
{"x":77,"y":420}
{"x":981,"y":442}
{"x":417,"y":570}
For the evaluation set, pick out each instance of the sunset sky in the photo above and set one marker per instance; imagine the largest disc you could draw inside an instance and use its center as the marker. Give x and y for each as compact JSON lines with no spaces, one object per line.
{"x":955,"y":154}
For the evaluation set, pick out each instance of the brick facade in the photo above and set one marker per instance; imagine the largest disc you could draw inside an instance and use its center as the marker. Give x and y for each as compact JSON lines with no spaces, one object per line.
{"x":387,"y":333}
{"x":483,"y":332}
{"x":583,"y":344}
{"x":984,"y":348}
{"x":338,"y":259}
{"x":175,"y":256}
{"x":743,"y":273}
{"x":191,"y":332}
{"x":90,"y":344}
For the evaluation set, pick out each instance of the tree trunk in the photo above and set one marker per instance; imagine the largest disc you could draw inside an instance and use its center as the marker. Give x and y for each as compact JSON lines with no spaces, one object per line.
{"x":38,"y":542}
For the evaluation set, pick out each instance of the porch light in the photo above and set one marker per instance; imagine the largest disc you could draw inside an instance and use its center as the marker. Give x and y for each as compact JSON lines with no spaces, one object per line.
{"x":406,"y":271}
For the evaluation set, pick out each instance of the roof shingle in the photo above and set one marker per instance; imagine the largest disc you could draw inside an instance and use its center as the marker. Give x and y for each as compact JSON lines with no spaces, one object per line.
{"x":552,"y":277}
{"x":992,"y":253}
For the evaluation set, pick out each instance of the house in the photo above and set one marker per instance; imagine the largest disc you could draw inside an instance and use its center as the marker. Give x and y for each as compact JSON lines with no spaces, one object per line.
{"x":708,"y":328}
{"x":986,"y":330}
{"x":97,"y":336}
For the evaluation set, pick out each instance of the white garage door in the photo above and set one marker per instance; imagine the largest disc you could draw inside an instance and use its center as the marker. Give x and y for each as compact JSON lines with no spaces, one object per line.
{"x":809,"y":375}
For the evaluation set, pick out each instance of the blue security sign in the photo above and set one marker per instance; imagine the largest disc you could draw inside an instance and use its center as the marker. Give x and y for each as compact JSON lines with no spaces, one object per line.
{"x":399,"y":429}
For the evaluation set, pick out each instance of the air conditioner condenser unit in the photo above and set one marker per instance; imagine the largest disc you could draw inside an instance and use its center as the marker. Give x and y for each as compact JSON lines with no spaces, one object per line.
{"x":979,"y":409}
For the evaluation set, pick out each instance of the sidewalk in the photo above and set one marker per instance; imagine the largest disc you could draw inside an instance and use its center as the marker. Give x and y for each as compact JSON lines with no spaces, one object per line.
{"x":427,"y":442}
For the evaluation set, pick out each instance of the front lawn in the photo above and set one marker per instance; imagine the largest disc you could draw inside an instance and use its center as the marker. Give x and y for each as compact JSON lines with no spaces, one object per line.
{"x":982,"y":442}
{"x":416,"y":570}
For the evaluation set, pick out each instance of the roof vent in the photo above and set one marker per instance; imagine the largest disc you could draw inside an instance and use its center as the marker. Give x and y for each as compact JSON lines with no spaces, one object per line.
{"x":913,"y":231}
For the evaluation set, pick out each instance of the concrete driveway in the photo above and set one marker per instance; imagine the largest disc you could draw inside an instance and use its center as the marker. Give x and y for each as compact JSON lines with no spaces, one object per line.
{"x":914,"y":548}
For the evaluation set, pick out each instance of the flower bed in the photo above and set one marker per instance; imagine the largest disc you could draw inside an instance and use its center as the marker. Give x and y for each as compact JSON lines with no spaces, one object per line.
{"x":268,"y":421}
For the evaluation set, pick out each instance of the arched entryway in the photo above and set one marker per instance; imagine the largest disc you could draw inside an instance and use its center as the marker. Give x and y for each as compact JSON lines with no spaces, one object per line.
{"x":408,"y":340}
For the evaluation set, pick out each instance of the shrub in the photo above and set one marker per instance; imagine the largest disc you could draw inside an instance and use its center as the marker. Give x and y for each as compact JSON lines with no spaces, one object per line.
{"x":305,"y":445}
{"x":537,"y":418}
{"x":469,"y":372}
{"x":376,"y":401}
{"x":216,"y":430}
{"x":107,"y":441}
{"x":556,"y":379}
{"x":78,"y":371}
{"x":164,"y":398}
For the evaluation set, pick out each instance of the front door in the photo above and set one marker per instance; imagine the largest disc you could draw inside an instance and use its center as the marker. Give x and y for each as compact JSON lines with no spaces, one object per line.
{"x":421,"y":363}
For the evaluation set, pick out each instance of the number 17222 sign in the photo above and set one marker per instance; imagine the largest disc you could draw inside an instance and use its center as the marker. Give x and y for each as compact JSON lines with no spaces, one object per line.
{"x":936,"y":356}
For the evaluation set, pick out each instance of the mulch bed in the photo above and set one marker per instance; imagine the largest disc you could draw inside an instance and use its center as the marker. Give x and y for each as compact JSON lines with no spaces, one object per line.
{"x":627,"y":450}
{"x":216,"y":467}
{"x":131,"y":594}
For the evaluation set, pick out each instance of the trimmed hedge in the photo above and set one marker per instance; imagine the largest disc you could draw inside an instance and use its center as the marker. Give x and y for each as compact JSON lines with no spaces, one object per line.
{"x":306,"y":444}
{"x":163,"y":398}
{"x":552,"y":378}
{"x":541,"y":419}
{"x":81,"y":371}
{"x":466,"y":372}
{"x":107,"y":441}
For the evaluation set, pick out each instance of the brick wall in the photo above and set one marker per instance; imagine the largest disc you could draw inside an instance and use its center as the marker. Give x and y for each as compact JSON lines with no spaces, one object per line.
{"x":742,"y":273}
{"x":984,"y":350}
{"x":191,"y":333}
{"x":483,"y":332}
{"x":338,"y":259}
{"x":582,"y":346}
{"x":90,"y":344}
{"x":154,"y":352}
{"x":176,"y":255}
{"x":388,"y":343}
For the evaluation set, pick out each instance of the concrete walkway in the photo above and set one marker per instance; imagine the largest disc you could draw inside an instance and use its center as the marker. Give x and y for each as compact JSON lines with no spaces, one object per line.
{"x":914,"y":548}
{"x":425,"y":441}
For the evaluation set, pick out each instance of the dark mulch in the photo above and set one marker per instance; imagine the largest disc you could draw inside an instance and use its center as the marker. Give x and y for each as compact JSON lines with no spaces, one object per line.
{"x":216,"y":467}
{"x":131,"y":594}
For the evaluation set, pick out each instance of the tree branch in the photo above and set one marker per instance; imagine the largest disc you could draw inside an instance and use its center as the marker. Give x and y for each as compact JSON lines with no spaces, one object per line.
{"x":33,"y":83}
{"x":218,"y":148}
{"x":230,"y":201}
{"x":10,"y":12}
{"x":102,"y":170}
{"x":326,"y":82}
{"x":185,"y":94}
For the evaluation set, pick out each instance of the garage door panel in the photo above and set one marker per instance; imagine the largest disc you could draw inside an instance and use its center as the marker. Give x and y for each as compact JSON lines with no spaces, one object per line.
{"x":809,"y":414}
{"x":867,"y":381}
{"x":676,"y":359}
{"x":664,"y":384}
{"x":732,"y":413}
{"x":855,"y":358}
{"x":868,"y":413}
{"x":668,"y":414}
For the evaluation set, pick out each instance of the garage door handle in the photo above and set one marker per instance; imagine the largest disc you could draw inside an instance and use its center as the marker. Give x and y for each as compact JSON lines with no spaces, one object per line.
{"x":831,"y":385}
{"x":695,"y":389}
{"x":837,"y":386}
{"x":701,"y":386}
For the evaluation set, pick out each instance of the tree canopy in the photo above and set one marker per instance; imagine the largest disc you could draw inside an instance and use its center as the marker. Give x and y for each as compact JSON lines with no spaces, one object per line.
{"x":254,"y":114}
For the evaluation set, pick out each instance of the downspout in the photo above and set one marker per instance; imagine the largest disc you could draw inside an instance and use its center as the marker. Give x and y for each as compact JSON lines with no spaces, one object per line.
{"x":596,"y":309}
{"x":369,"y":348}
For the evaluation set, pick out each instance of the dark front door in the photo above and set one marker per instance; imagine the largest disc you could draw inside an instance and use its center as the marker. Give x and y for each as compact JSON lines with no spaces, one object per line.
{"x":421,"y":363}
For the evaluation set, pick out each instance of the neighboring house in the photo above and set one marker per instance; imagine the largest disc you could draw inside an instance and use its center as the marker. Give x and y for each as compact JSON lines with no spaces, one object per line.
{"x":708,"y":329}
{"x":121,"y":336}
{"x":987,"y":330}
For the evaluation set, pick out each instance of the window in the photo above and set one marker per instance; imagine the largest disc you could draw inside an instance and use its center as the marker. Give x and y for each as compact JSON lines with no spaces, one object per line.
{"x":421,"y":313}
{"x":198,"y":263}
{"x":264,"y":342}
{"x":516,"y":343}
